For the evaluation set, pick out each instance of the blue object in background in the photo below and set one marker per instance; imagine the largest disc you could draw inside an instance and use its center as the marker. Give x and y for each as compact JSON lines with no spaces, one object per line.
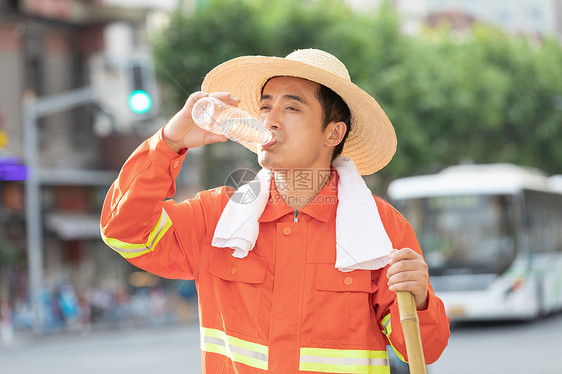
{"x":11,"y":169}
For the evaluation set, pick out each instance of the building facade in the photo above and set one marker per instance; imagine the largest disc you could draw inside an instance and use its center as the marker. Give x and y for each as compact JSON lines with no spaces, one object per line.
{"x":529,"y":17}
{"x":59,"y":273}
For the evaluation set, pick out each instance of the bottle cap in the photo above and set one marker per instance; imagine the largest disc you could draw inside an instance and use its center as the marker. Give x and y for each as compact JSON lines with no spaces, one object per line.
{"x":203,"y":112}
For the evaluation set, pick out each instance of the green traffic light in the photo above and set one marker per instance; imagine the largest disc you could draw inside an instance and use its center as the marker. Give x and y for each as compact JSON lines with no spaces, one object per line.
{"x":140,"y":102}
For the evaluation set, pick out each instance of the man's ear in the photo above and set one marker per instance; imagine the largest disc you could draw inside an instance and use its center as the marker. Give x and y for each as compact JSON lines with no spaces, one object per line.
{"x":336,"y":132}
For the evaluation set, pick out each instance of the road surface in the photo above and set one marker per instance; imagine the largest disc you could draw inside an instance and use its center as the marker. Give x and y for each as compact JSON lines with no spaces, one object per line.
{"x":483,"y":348}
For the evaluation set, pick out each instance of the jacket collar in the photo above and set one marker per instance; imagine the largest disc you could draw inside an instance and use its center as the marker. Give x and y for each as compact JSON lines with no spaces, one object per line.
{"x":320,"y":208}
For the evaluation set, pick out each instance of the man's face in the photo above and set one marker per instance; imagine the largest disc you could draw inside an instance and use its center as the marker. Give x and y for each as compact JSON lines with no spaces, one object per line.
{"x":290,"y":108}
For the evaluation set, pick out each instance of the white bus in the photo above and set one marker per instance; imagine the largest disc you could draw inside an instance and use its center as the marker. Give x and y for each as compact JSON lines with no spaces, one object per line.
{"x":492,"y":237}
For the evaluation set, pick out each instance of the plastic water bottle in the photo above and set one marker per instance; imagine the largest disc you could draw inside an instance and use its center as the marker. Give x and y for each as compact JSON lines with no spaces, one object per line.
{"x":215,"y":116}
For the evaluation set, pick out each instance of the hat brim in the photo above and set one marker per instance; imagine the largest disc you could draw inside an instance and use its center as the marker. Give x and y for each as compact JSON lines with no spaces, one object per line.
{"x":372,"y":140}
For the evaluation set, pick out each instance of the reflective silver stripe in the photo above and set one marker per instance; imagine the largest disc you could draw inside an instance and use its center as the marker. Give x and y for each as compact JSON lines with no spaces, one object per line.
{"x":387,"y":330}
{"x":233,"y":348}
{"x":328,"y":360}
{"x":130,"y":250}
{"x":386,"y":324}
{"x":163,"y":222}
{"x":345,"y":360}
{"x":236,"y":349}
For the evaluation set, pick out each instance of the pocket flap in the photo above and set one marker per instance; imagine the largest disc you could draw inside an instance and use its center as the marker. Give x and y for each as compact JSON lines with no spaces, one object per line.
{"x":249,"y":269}
{"x":328,"y":278}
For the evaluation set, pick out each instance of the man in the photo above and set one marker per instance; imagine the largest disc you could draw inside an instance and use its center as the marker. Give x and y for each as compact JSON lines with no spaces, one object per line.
{"x":303,"y":277}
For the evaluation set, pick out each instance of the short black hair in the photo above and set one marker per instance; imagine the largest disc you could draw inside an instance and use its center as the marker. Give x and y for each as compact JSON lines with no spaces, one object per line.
{"x":334,"y":110}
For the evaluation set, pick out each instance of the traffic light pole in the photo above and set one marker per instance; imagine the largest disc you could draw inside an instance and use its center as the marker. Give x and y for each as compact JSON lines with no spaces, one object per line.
{"x":34,"y":109}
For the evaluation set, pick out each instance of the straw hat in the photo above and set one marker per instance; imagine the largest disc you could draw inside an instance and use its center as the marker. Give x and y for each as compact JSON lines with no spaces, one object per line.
{"x":372,"y":140}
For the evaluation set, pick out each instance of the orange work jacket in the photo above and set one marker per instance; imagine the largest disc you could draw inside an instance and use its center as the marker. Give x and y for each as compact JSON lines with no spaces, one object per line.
{"x":284,"y":308}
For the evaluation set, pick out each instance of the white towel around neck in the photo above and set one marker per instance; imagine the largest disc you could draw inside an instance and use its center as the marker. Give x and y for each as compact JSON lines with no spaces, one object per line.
{"x":362,"y":242}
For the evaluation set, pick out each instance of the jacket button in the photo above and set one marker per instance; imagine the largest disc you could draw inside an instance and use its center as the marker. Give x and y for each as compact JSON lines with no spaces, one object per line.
{"x":176,"y":164}
{"x":348,"y":281}
{"x":233,"y":270}
{"x":287,"y":231}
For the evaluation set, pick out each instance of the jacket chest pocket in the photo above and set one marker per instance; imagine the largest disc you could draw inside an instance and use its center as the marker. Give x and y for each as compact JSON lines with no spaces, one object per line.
{"x":343,"y":310}
{"x":237,"y":290}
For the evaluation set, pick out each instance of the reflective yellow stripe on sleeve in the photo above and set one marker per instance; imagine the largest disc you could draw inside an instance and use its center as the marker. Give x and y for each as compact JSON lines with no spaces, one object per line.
{"x":131,"y":250}
{"x":238,"y":350}
{"x":387,"y":330}
{"x":343,"y":361}
{"x":386,"y":326}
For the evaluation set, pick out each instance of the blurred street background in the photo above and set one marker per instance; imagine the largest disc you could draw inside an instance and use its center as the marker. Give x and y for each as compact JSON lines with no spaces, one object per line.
{"x":465,"y":82}
{"x":487,"y":348}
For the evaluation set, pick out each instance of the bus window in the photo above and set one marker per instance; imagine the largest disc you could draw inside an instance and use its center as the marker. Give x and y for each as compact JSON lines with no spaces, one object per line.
{"x":472,"y":234}
{"x":544,"y":221}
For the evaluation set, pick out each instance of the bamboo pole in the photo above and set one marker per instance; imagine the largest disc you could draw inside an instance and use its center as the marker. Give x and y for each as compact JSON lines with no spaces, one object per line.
{"x":411,"y":327}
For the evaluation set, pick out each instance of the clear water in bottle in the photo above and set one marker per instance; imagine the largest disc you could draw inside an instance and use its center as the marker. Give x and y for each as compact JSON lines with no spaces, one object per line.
{"x":215,"y":116}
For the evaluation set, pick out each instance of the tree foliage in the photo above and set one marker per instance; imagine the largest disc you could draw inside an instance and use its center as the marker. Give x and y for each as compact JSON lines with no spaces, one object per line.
{"x":483,"y":96}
